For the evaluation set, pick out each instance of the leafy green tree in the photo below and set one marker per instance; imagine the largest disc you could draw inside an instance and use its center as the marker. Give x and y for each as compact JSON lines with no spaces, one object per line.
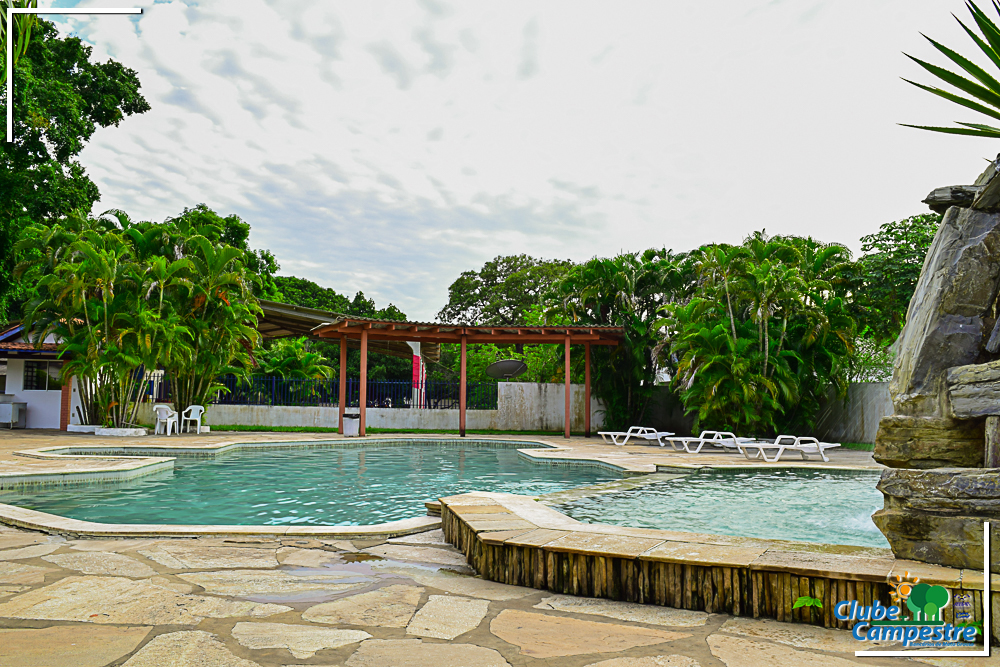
{"x":306,"y":293}
{"x":233,"y":231}
{"x":60,"y":98}
{"x":625,"y":291}
{"x":502,"y":292}
{"x":722,"y":380}
{"x":886,"y":275}
{"x":545,"y":363}
{"x":763,"y":336}
{"x":292,"y":358}
{"x":126,"y":297}
{"x":20,"y":34}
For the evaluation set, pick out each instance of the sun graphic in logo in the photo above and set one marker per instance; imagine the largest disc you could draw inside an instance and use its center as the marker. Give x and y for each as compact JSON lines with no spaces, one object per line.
{"x":901,"y":588}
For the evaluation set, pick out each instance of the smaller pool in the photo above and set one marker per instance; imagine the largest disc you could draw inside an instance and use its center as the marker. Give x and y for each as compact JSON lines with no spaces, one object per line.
{"x":828,"y":506}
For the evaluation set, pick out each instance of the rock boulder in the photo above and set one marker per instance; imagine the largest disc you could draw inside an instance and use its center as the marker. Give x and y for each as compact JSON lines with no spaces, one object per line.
{"x":947,"y":323}
{"x":936,"y":516}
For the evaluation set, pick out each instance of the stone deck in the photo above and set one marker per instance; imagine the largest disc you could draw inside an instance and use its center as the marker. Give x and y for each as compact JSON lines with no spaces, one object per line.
{"x":411,"y":601}
{"x":238,"y":596}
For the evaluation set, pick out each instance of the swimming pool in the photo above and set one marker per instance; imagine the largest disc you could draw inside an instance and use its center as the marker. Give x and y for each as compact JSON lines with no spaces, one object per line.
{"x":808,"y":505}
{"x":333,"y":486}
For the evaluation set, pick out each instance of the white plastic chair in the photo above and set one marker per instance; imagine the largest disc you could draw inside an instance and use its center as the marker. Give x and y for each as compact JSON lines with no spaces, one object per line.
{"x":166,"y":416}
{"x":192,"y":414}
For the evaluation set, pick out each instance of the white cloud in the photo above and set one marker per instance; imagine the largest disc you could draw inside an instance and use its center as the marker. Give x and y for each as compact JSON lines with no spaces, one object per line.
{"x":387,"y":146}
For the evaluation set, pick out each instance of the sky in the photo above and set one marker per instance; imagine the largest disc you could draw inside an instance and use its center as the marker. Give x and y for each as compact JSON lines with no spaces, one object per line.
{"x":387,"y":146}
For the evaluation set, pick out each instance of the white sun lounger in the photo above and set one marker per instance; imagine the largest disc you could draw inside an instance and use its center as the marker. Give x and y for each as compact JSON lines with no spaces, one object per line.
{"x":636,"y":432}
{"x":804,"y":445}
{"x":723,"y":439}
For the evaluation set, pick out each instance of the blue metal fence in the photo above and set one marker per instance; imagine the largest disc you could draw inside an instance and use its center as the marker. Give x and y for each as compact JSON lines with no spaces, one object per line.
{"x":267,"y":390}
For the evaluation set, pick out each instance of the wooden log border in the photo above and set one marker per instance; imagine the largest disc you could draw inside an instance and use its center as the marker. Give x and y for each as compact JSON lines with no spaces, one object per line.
{"x":738,"y":591}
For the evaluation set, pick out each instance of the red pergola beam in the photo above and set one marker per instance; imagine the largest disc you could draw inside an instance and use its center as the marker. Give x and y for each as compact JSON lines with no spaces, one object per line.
{"x":414,"y":331}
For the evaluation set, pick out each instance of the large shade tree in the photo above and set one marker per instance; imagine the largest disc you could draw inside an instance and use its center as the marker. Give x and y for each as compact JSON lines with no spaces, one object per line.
{"x":60,"y":98}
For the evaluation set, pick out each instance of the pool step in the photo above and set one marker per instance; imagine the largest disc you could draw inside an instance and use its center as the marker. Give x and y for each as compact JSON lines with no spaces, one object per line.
{"x":433,"y":508}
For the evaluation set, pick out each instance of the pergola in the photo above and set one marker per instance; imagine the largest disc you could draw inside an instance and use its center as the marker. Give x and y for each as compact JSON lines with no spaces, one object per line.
{"x":347,"y":328}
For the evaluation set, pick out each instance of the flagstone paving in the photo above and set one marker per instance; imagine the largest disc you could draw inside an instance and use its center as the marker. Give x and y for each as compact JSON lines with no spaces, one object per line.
{"x":268,"y":602}
{"x":388,"y":604}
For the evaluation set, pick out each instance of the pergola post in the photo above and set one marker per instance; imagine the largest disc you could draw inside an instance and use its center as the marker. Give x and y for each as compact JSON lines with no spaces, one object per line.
{"x":462,"y":385}
{"x":567,"y":415}
{"x":364,"y":379}
{"x":586,"y":390}
{"x":342,"y":382}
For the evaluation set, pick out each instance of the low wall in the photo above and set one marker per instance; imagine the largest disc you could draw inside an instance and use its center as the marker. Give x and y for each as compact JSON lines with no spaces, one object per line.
{"x":857,"y":419}
{"x":854,"y":421}
{"x":521,"y":406}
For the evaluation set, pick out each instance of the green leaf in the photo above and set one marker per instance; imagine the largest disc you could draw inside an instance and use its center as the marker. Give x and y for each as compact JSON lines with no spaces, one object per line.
{"x":806,"y":601}
{"x":978,"y":126}
{"x":969,"y":104}
{"x":966,"y":64}
{"x":990,"y":51}
{"x":956,"y":130}
{"x":960,"y":82}
{"x":990,"y":30}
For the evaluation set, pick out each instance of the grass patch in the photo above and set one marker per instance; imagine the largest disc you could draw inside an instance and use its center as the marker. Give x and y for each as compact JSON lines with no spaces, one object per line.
{"x":274,"y":429}
{"x":403,"y":431}
{"x":860,"y":446}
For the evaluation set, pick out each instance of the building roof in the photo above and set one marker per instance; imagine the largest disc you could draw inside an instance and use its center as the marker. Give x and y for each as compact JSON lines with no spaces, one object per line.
{"x":11,"y":331}
{"x":282,"y":320}
{"x":19,"y":349}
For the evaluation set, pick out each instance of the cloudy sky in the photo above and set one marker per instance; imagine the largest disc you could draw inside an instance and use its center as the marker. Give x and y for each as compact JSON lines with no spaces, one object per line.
{"x":386,"y":146}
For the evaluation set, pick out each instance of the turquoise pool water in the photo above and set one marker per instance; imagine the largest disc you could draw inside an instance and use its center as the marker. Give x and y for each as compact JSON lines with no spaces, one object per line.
{"x":321,"y":486}
{"x":832,"y":507}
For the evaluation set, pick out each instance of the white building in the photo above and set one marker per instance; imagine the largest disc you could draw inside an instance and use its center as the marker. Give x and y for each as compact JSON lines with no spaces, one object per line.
{"x":29,"y":377}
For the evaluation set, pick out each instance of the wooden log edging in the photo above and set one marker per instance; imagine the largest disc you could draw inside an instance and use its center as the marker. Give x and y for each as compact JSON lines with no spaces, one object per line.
{"x":513,"y":540}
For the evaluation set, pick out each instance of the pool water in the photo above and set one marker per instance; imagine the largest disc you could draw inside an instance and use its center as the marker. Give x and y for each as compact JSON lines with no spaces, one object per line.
{"x":828,"y":506}
{"x":344,"y":485}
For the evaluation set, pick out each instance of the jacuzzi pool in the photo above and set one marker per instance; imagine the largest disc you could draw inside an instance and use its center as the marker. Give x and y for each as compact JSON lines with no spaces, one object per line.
{"x":828,"y":506}
{"x":332,"y":485}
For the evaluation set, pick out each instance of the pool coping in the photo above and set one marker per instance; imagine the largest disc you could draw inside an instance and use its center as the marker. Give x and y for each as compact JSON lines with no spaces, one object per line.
{"x":131,"y":461}
{"x":55,"y":524}
{"x":135,"y":461}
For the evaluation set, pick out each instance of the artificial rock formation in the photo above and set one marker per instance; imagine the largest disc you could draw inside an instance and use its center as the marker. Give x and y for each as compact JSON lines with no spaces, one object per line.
{"x":945,"y":390}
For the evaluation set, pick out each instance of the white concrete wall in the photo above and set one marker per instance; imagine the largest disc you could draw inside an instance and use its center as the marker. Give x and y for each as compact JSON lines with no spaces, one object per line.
{"x":527,"y":406}
{"x":857,"y":421}
{"x":43,"y":406}
{"x":522,"y":407}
